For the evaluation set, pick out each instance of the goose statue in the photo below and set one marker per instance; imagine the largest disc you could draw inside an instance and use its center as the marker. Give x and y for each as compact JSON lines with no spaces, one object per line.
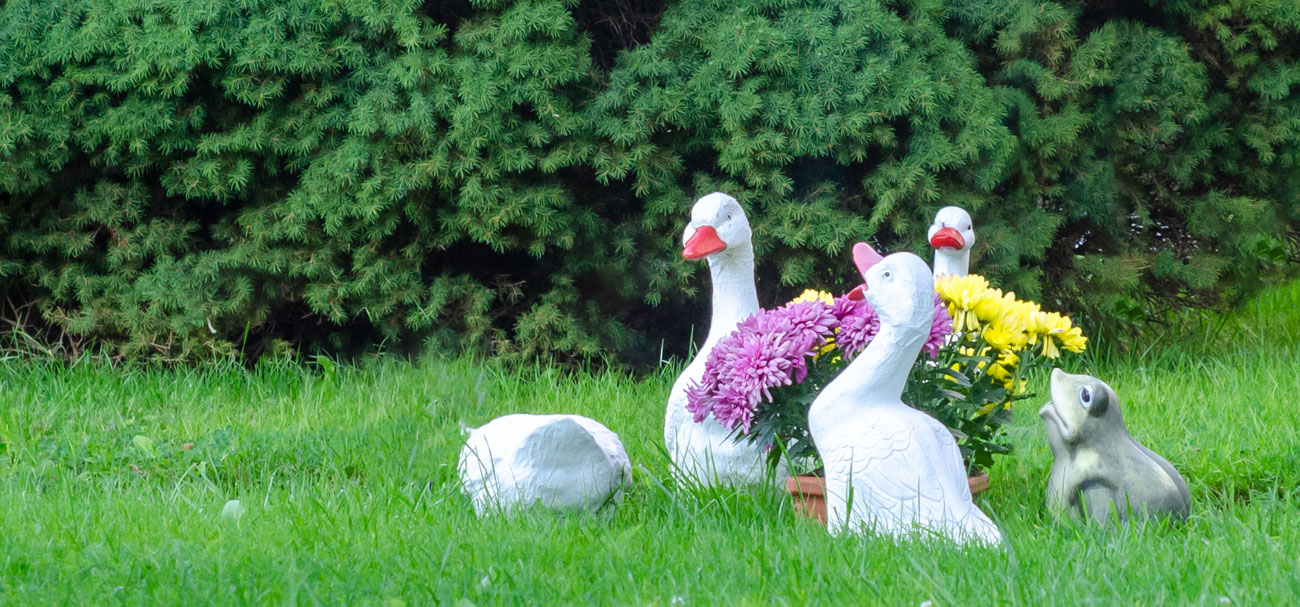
{"x":705,"y":452}
{"x":564,"y":462}
{"x":891,"y":468}
{"x":952,"y":236}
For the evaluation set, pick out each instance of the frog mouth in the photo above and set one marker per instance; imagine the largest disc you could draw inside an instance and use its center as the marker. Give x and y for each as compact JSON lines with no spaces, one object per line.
{"x":1050,"y":415}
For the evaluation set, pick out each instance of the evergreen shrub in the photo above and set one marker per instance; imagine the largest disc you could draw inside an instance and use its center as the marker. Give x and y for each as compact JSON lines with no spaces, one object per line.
{"x":184,"y":180}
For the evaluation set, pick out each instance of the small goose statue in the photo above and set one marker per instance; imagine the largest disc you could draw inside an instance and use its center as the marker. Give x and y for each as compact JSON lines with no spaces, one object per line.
{"x":891,"y":468}
{"x":563,"y":462}
{"x":951,"y":235}
{"x":705,"y":452}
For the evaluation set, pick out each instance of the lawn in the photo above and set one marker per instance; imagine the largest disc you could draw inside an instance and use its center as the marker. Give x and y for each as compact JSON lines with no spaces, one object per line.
{"x":112,"y":485}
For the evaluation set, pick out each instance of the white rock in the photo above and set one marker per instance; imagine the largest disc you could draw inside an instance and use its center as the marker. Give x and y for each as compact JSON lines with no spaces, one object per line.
{"x":557,"y":461}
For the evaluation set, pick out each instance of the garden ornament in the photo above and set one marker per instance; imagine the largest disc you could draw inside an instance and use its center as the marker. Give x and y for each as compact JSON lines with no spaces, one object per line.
{"x":565,"y":462}
{"x":704,"y":452}
{"x":1100,"y":472}
{"x":890,"y":468}
{"x":952,"y":235}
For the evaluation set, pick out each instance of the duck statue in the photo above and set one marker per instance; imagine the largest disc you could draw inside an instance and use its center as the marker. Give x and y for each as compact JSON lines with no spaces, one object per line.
{"x":890,"y":468}
{"x":562,"y":462}
{"x":951,"y":235}
{"x":705,"y":452}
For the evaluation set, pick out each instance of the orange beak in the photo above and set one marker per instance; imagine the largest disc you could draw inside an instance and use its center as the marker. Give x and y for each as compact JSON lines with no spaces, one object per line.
{"x":947,"y":238}
{"x":703,"y":242}
{"x":858,"y":293}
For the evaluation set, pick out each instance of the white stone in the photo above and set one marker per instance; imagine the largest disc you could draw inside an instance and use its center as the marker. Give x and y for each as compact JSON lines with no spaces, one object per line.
{"x":705,"y":453}
{"x":889,"y":467}
{"x":233,"y":510}
{"x":951,"y":235}
{"x":565,"y":462}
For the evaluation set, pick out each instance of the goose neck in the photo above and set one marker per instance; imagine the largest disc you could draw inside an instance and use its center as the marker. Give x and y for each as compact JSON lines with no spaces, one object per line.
{"x":735,"y":296}
{"x":948,"y":261}
{"x":879,"y":373}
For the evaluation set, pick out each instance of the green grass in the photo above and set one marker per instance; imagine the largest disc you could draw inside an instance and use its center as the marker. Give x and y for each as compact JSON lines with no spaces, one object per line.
{"x":348,"y":477}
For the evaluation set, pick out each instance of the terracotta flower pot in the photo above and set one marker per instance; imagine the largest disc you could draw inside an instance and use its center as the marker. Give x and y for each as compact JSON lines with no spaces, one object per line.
{"x":810,"y":493}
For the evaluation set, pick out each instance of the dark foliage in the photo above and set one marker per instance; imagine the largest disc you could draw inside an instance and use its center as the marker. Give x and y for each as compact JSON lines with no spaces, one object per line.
{"x":182,"y":180}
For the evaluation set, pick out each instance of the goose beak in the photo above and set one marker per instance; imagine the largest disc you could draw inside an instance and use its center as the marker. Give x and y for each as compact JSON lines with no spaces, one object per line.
{"x":703,"y":242}
{"x":864,"y":257}
{"x":947,"y":238}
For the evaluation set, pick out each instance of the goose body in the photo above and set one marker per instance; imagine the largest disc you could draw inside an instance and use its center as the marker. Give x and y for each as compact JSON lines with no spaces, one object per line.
{"x":565,"y":462}
{"x":951,"y":235}
{"x":890,"y":468}
{"x":704,"y":452}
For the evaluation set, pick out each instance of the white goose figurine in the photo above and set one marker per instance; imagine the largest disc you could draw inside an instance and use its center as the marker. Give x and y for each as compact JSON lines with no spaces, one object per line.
{"x":952,"y":235}
{"x":901,"y":466}
{"x":718,"y":232}
{"x":565,"y":462}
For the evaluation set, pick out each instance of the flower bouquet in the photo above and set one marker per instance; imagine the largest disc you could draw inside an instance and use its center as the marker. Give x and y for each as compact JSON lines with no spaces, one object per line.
{"x":760,"y":380}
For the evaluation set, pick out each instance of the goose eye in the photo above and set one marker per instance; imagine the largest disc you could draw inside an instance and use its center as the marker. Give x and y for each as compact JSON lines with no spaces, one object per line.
{"x":886,"y":274}
{"x":1085,"y":397}
{"x":967,"y":227}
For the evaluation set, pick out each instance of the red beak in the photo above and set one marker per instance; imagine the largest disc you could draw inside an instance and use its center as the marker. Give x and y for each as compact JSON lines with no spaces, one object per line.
{"x":947,"y":238}
{"x":703,"y":242}
{"x":858,"y":293}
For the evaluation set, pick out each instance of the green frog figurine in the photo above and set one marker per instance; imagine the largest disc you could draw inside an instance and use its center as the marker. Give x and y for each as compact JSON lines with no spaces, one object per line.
{"x":1101,"y":472}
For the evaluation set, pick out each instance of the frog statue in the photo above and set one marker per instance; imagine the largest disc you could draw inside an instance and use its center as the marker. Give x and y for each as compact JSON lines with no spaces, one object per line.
{"x":1100,"y":472}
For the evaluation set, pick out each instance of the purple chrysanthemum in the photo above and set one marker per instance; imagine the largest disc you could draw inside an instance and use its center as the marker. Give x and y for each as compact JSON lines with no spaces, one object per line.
{"x":811,"y":321}
{"x":940,"y":329}
{"x":699,"y":395}
{"x":767,"y":350}
{"x":859,"y":324}
{"x":772,"y":348}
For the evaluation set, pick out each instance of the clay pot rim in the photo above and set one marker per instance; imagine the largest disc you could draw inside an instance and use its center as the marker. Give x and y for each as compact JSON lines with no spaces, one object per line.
{"x":813,"y":485}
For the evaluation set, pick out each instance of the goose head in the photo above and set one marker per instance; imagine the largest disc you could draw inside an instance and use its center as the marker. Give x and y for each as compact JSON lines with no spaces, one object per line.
{"x":717,"y":224}
{"x":899,"y":286}
{"x":952,"y":230}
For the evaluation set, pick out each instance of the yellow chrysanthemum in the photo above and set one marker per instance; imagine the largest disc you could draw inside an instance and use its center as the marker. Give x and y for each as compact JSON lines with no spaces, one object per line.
{"x":826,"y":348}
{"x":814,"y":295}
{"x":1000,"y":373}
{"x":987,"y":320}
{"x":1003,"y":369}
{"x":1008,"y":359}
{"x":1019,"y":311}
{"x":990,"y":306}
{"x":1055,"y":330}
{"x":962,"y":294}
{"x":1073,"y":340}
{"x":1007,"y":335}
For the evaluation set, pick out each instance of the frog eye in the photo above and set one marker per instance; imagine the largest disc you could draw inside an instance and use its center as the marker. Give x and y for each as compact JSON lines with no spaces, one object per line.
{"x":1085,"y":397}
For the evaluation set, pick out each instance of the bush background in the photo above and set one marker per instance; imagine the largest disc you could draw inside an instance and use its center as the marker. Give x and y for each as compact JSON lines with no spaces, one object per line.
{"x":186,"y":180}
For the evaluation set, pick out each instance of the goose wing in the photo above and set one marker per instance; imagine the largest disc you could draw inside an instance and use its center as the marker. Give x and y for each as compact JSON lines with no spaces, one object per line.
{"x":902,"y":471}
